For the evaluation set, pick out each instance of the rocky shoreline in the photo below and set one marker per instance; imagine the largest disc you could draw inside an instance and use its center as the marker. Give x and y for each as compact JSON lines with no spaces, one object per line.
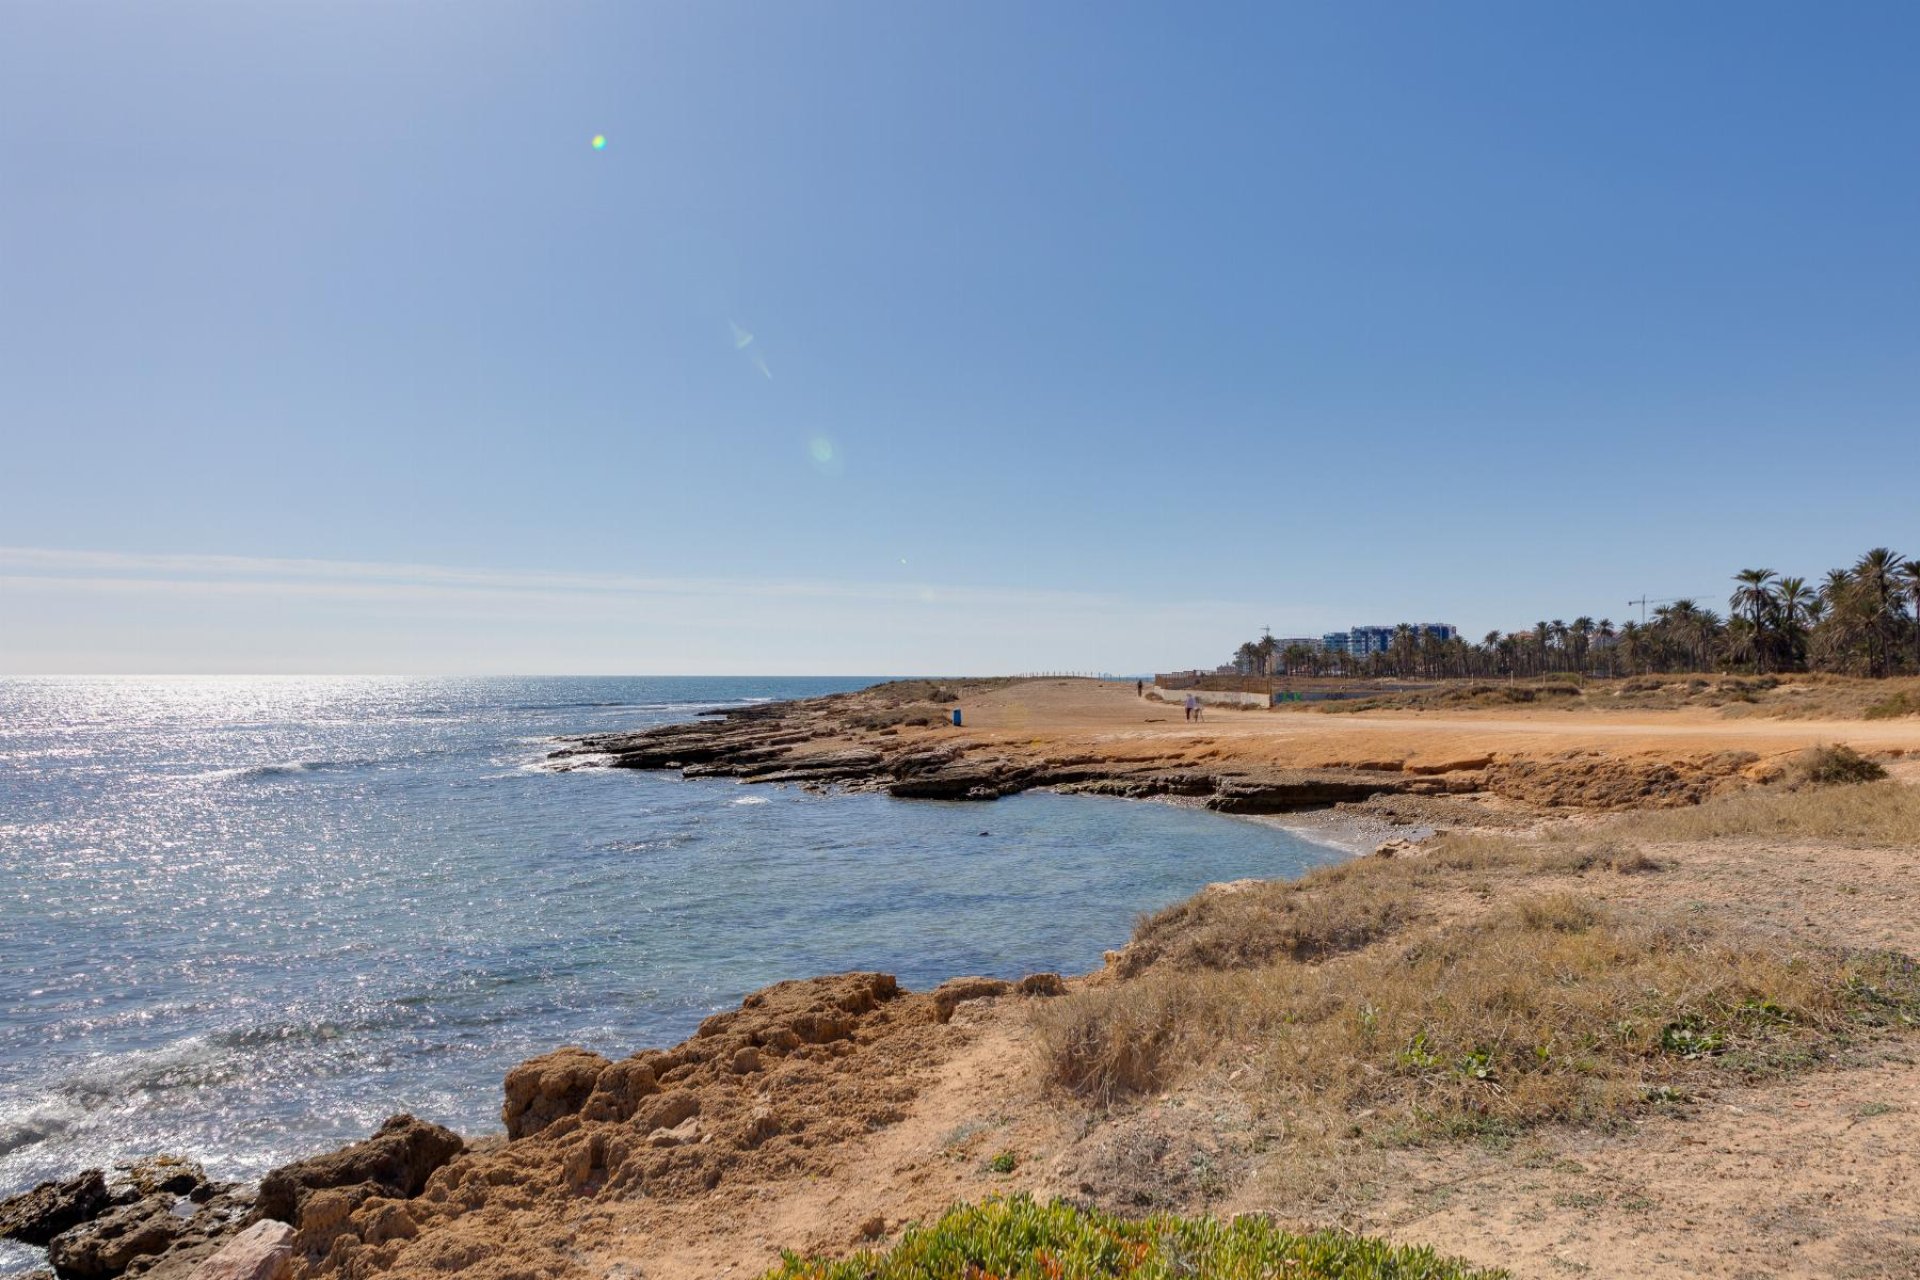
{"x":835,"y":743}
{"x":772,"y":1090}
{"x":163,"y":1218}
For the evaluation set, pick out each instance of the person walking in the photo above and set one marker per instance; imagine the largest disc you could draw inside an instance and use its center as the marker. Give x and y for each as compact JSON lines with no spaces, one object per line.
{"x":1192,"y":702}
{"x":1139,"y":688}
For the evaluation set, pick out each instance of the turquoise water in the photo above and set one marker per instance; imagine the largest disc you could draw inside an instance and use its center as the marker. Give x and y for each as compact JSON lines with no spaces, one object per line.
{"x":244,"y":919}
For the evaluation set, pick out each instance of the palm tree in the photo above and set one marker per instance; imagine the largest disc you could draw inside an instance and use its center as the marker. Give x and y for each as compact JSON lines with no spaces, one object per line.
{"x":1632,"y":644}
{"x":1910,"y":579}
{"x":1754,"y":596}
{"x":1877,"y":576}
{"x":1799,"y":607}
{"x":1404,"y":644}
{"x":1582,"y":633}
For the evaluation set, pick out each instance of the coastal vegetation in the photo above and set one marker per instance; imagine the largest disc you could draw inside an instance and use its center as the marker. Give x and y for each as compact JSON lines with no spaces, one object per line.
{"x":1862,"y":620}
{"x":1016,"y":1238}
{"x":1485,"y":985}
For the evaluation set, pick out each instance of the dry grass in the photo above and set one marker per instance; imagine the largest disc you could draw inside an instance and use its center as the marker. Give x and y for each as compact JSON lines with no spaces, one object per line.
{"x":1870,"y":814}
{"x":1549,"y":1008}
{"x":1386,"y":998}
{"x":1788,"y":697}
{"x":1252,"y":923}
{"x":1903,"y":701}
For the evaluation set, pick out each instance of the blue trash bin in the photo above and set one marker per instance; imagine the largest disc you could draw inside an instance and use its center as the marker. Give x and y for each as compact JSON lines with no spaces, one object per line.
{"x":956,"y":717}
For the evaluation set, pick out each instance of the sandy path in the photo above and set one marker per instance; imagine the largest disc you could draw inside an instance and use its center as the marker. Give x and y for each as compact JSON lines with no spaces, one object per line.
{"x":1096,"y":711}
{"x":1815,"y":1177}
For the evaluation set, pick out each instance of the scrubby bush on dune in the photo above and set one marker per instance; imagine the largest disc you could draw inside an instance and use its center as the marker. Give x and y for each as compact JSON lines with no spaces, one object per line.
{"x":1828,"y":766}
{"x":1018,"y":1239}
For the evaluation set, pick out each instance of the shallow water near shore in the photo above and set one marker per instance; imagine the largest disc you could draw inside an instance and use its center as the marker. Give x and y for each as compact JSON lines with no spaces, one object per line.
{"x":246,"y":919}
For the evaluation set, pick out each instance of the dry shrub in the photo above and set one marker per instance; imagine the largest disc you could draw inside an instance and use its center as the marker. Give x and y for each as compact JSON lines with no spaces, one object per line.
{"x":1829,"y":766}
{"x":1552,"y":1008}
{"x":1250,"y":923}
{"x":1582,"y":854}
{"x":1883,"y":813}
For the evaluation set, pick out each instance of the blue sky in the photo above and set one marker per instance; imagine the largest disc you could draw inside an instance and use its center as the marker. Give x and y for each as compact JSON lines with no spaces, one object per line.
{"x":899,"y":337}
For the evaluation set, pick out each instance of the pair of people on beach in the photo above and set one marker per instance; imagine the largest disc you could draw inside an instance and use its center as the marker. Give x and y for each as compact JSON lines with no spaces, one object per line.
{"x":1193,"y":706}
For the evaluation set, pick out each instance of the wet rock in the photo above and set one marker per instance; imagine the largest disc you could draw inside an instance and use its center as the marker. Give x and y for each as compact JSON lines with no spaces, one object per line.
{"x":263,"y":1251}
{"x":957,"y":783}
{"x":37,"y":1216}
{"x":164,"y":1175}
{"x":396,"y":1161}
{"x":541,"y":1090}
{"x":106,"y":1245}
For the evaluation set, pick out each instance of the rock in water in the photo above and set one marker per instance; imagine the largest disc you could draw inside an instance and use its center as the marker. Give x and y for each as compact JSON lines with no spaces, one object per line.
{"x":396,"y":1161}
{"x":163,"y":1236}
{"x":264,"y":1251}
{"x":107,"y":1245}
{"x":37,"y":1216}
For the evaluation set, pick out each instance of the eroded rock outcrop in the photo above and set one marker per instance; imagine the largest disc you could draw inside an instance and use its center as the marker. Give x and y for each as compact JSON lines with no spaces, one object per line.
{"x":395,"y":1162}
{"x":776,"y":1089}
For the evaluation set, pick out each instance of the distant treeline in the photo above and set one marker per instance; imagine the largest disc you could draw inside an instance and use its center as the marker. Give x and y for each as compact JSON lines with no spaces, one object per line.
{"x":1863,"y":620}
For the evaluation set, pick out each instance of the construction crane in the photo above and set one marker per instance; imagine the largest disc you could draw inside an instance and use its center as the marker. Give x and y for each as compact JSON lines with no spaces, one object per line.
{"x":1644,"y":601}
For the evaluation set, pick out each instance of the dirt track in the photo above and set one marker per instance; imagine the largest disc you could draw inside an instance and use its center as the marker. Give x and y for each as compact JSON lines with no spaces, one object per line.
{"x":1068,"y":714}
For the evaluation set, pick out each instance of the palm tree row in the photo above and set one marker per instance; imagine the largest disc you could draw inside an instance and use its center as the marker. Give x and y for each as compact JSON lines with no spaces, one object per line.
{"x":1863,"y":620}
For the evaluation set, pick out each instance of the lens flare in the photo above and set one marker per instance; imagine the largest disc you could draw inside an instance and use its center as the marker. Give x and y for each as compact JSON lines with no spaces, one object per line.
{"x":821,"y":450}
{"x":599,"y":142}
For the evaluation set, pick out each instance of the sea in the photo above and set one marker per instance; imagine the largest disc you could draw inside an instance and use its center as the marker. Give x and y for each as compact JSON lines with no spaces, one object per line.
{"x":246,"y":919}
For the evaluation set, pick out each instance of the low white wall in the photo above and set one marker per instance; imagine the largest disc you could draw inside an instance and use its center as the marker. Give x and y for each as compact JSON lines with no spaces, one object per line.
{"x":1212,"y":697}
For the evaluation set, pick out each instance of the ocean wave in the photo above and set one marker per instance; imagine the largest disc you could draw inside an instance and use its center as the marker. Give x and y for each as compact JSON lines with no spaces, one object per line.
{"x":38,"y":1122}
{"x":281,"y":769}
{"x":567,"y":764}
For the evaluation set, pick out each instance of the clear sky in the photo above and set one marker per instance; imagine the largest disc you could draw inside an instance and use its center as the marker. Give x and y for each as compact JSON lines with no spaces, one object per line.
{"x":903,"y":337}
